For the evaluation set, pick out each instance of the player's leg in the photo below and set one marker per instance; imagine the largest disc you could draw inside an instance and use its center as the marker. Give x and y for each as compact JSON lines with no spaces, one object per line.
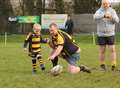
{"x":55,"y":61}
{"x":34,"y":64}
{"x":111,"y":44}
{"x":72,"y":67}
{"x":40,"y":60}
{"x":72,"y":59}
{"x":102,"y":49}
{"x":75,"y":69}
{"x":113,"y":56}
{"x":101,"y":41}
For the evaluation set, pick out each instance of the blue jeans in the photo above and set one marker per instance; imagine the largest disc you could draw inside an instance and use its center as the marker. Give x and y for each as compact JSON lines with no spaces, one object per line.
{"x":72,"y":59}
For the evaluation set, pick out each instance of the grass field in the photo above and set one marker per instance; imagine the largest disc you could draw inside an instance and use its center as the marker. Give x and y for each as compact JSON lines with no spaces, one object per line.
{"x":15,"y":67}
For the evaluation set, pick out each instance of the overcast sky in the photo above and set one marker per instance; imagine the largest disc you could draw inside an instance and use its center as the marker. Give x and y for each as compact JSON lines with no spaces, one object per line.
{"x":115,"y":0}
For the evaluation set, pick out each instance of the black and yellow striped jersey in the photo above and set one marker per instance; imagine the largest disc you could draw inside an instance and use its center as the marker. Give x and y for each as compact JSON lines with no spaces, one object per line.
{"x":34,"y":42}
{"x":64,"y":39}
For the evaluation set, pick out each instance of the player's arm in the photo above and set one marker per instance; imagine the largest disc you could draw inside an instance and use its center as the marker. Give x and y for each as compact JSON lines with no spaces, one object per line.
{"x":45,"y":40}
{"x":98,"y":15}
{"x":56,"y":52}
{"x":51,"y":45}
{"x":115,"y":18}
{"x":27,"y":40}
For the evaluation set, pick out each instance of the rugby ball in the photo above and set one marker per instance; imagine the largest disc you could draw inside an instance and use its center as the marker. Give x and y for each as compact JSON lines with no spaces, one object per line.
{"x":56,"y":70}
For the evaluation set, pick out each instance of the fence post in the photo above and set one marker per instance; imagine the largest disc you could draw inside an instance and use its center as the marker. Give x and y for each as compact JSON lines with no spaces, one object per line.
{"x":93,"y":37}
{"x":5,"y":39}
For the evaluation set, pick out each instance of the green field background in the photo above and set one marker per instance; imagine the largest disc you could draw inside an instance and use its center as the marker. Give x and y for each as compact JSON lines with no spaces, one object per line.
{"x":15,"y":67}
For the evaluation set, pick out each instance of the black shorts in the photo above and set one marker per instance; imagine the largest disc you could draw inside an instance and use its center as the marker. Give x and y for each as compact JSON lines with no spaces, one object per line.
{"x":35,"y":55}
{"x":106,"y":40}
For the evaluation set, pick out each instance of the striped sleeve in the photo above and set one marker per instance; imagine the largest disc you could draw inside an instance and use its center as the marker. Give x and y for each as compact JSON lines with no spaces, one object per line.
{"x":27,"y":39}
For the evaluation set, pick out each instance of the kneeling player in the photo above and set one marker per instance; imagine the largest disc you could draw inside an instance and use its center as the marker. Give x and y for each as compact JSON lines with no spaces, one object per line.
{"x":62,"y":44}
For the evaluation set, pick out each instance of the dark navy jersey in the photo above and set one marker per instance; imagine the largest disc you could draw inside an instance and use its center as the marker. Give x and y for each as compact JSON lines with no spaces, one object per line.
{"x":62,"y":38}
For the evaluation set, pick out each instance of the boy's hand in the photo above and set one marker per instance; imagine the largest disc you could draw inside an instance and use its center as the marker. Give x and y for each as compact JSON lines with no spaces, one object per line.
{"x":47,"y":39}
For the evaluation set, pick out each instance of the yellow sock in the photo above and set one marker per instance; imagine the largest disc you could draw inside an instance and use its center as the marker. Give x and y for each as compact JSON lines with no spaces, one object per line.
{"x":40,"y":61}
{"x":34,"y":66}
{"x":102,"y":62}
{"x":113,"y":63}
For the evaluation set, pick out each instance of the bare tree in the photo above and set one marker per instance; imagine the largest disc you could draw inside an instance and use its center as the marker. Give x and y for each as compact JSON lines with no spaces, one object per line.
{"x":68,"y":7}
{"x":59,"y":4}
{"x":39,"y":7}
{"x":51,"y":4}
{"x":85,"y":6}
{"x":5,"y":12}
{"x":28,"y":7}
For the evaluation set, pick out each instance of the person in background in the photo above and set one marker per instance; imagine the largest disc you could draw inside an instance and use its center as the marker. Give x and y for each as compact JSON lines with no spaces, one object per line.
{"x":69,"y":25}
{"x":106,"y":19}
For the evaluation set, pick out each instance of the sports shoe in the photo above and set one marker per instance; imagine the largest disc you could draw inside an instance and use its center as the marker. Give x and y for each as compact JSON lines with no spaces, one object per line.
{"x":103,"y":67}
{"x":42,"y":67}
{"x":114,"y":68}
{"x":85,"y":69}
{"x":34,"y":72}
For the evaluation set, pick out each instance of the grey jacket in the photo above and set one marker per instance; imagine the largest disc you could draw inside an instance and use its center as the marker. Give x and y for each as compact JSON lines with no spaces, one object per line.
{"x":105,"y":26}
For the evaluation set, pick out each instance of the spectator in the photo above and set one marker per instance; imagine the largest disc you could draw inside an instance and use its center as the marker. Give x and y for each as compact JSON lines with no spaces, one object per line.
{"x":106,"y":18}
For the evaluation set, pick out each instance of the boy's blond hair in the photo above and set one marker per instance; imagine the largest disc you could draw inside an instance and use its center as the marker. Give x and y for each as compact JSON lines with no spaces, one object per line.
{"x":36,"y":26}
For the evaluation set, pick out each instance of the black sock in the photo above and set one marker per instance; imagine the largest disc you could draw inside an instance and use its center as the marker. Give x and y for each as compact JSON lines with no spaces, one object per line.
{"x":41,"y":63}
{"x":34,"y":65}
{"x":55,"y":61}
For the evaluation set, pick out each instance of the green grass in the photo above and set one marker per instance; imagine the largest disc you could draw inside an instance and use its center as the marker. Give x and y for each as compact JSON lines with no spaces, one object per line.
{"x":15,"y":67}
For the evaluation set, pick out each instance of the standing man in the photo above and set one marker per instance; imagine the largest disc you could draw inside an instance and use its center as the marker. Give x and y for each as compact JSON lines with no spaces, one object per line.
{"x":62,"y":44}
{"x":69,"y":25}
{"x":106,"y":18}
